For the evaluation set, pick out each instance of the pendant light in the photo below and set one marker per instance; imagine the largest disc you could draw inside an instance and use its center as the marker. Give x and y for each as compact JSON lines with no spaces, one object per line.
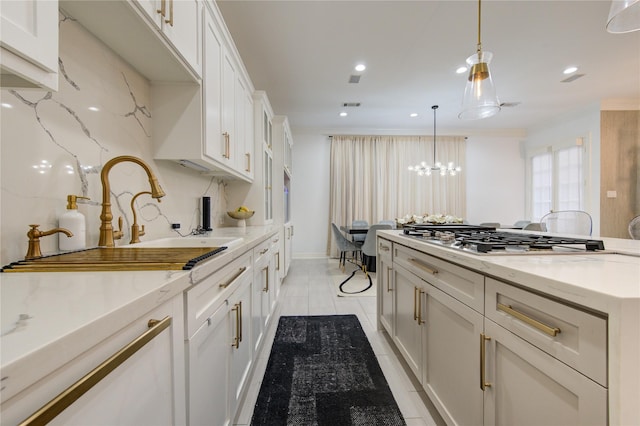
{"x":624,"y":16}
{"x":423,"y":169}
{"x":480,"y":100}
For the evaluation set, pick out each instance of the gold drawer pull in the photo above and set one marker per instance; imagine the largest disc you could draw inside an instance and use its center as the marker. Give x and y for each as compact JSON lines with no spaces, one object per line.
{"x":58,"y":404}
{"x":264,"y":251}
{"x":383,"y":247}
{"x":415,"y":303}
{"x":424,"y":267}
{"x":483,"y":383}
{"x":236,"y":275}
{"x":237,"y":308}
{"x":266,"y":287}
{"x":551,"y":331}
{"x":420,"y":320}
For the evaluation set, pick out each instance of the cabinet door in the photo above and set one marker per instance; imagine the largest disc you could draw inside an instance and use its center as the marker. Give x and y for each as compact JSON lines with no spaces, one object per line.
{"x":268,"y":183}
{"x":288,"y":242}
{"x":408,"y":333}
{"x":209,"y":352}
{"x":530,"y":387}
{"x":179,"y":21}
{"x":29,"y":34}
{"x":229,"y":136}
{"x":241,"y":347}
{"x":452,"y":358}
{"x":244,"y":129}
{"x":385,"y":290}
{"x":212,"y":86}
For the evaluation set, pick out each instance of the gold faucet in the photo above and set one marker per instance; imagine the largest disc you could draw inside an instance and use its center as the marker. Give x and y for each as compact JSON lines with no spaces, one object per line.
{"x":137,"y":231}
{"x":34,"y":234}
{"x":106,"y":228}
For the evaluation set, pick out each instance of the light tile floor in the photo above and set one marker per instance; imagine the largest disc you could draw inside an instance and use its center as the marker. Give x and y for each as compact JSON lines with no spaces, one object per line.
{"x":308,"y":289}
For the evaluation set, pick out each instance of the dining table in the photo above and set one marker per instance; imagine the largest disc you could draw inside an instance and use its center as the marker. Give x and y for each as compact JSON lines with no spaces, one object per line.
{"x":353,"y":230}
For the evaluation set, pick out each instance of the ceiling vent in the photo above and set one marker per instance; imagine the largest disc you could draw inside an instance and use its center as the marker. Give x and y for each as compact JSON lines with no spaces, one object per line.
{"x":572,"y":78}
{"x":354,"y":79}
{"x":351,"y":104}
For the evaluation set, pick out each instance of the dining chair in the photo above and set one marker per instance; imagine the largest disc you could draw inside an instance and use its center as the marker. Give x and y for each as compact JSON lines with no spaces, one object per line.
{"x":392,"y":223}
{"x":634,"y":228}
{"x":535,"y":226}
{"x":568,"y":222}
{"x":491,"y":224}
{"x":359,"y":238}
{"x":521,"y":223}
{"x":344,"y":245}
{"x":369,"y":246}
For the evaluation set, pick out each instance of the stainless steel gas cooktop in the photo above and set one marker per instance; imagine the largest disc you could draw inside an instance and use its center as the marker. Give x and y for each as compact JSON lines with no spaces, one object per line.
{"x":488,"y":240}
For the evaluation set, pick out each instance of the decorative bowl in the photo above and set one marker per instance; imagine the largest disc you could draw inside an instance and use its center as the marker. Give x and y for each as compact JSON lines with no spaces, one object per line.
{"x":241,"y":215}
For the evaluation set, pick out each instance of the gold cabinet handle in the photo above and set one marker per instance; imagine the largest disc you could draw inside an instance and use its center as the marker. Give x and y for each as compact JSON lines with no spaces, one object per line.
{"x":264,"y":251}
{"x":551,"y":331}
{"x":226,"y":145}
{"x":383,"y":247}
{"x":420,"y":293}
{"x":424,"y":267}
{"x":236,"y":339}
{"x":240,"y":316}
{"x":415,"y":303}
{"x":170,"y":20}
{"x":232,"y":279}
{"x":266,"y":287}
{"x":248,"y":155}
{"x":483,"y":383}
{"x":278,"y":264}
{"x":388,"y":280}
{"x":163,"y":8}
{"x":58,"y":404}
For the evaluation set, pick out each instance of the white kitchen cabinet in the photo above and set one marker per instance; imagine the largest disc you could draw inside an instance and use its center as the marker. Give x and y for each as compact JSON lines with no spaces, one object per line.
{"x":408,"y":335}
{"x":529,"y":387}
{"x":288,"y":248}
{"x":29,"y":44}
{"x":451,"y":372}
{"x":180,"y":23}
{"x":135,"y":377}
{"x":386,"y":286}
{"x":196,"y":124}
{"x":264,"y":295}
{"x":219,"y":352}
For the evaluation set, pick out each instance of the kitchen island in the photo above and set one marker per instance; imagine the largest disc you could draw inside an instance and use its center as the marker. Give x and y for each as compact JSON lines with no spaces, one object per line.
{"x":54,"y":322}
{"x":585,"y":335}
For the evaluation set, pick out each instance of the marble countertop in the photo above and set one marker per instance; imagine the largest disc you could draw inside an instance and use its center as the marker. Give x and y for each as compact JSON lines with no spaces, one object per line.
{"x":47,"y":319}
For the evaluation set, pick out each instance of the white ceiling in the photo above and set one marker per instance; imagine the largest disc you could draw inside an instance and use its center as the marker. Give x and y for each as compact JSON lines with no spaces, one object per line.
{"x":302,"y":54}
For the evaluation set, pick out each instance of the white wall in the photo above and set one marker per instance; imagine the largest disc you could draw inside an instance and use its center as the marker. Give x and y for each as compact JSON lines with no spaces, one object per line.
{"x":310,"y":194}
{"x":495,"y":180}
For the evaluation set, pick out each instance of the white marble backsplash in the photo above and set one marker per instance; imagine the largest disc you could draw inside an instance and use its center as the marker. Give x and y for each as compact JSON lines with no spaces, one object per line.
{"x":54,"y":144}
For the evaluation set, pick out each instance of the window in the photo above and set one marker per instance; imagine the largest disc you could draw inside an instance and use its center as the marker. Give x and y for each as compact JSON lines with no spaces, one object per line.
{"x":556,"y":180}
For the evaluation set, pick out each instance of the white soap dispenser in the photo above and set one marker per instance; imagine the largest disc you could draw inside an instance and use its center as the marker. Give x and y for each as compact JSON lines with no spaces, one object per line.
{"x":74,"y":221}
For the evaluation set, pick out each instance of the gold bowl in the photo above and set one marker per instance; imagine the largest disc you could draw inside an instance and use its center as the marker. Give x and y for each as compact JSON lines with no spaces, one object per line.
{"x":241,"y":215}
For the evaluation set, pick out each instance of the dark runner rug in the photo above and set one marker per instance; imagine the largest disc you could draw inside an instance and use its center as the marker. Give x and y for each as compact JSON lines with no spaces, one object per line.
{"x":322,"y":371}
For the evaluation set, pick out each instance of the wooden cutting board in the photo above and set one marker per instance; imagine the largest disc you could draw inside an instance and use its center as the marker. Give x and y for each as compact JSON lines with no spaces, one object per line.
{"x":118,"y":259}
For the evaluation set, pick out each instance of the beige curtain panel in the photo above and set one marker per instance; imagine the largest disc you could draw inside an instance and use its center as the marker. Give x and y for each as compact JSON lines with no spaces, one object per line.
{"x":370,"y":179}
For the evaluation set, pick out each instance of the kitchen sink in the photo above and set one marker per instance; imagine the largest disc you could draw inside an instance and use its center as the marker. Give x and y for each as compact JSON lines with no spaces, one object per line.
{"x":132,"y":258}
{"x":172,"y":242}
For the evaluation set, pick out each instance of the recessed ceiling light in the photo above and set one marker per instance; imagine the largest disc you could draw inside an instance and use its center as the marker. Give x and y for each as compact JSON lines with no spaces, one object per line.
{"x":6,"y":105}
{"x":92,"y":108}
{"x":343,"y":114}
{"x":361,"y":67}
{"x":461,"y":70}
{"x":570,"y":70}
{"x":413,"y":114}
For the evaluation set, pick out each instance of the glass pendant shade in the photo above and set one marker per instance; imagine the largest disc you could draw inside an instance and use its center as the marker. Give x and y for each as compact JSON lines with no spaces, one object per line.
{"x":480,"y":99}
{"x":624,"y":16}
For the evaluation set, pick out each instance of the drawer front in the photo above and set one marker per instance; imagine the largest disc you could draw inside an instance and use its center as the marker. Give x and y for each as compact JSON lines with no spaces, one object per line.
{"x":575,"y":337}
{"x":260,"y":251}
{"x":204,"y":298}
{"x":385,"y":250}
{"x":461,"y":284}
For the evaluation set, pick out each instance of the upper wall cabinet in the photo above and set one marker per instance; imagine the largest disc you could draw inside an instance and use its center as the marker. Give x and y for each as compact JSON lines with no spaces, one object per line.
{"x":29,"y":44}
{"x":161,"y":39}
{"x":208,"y":126}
